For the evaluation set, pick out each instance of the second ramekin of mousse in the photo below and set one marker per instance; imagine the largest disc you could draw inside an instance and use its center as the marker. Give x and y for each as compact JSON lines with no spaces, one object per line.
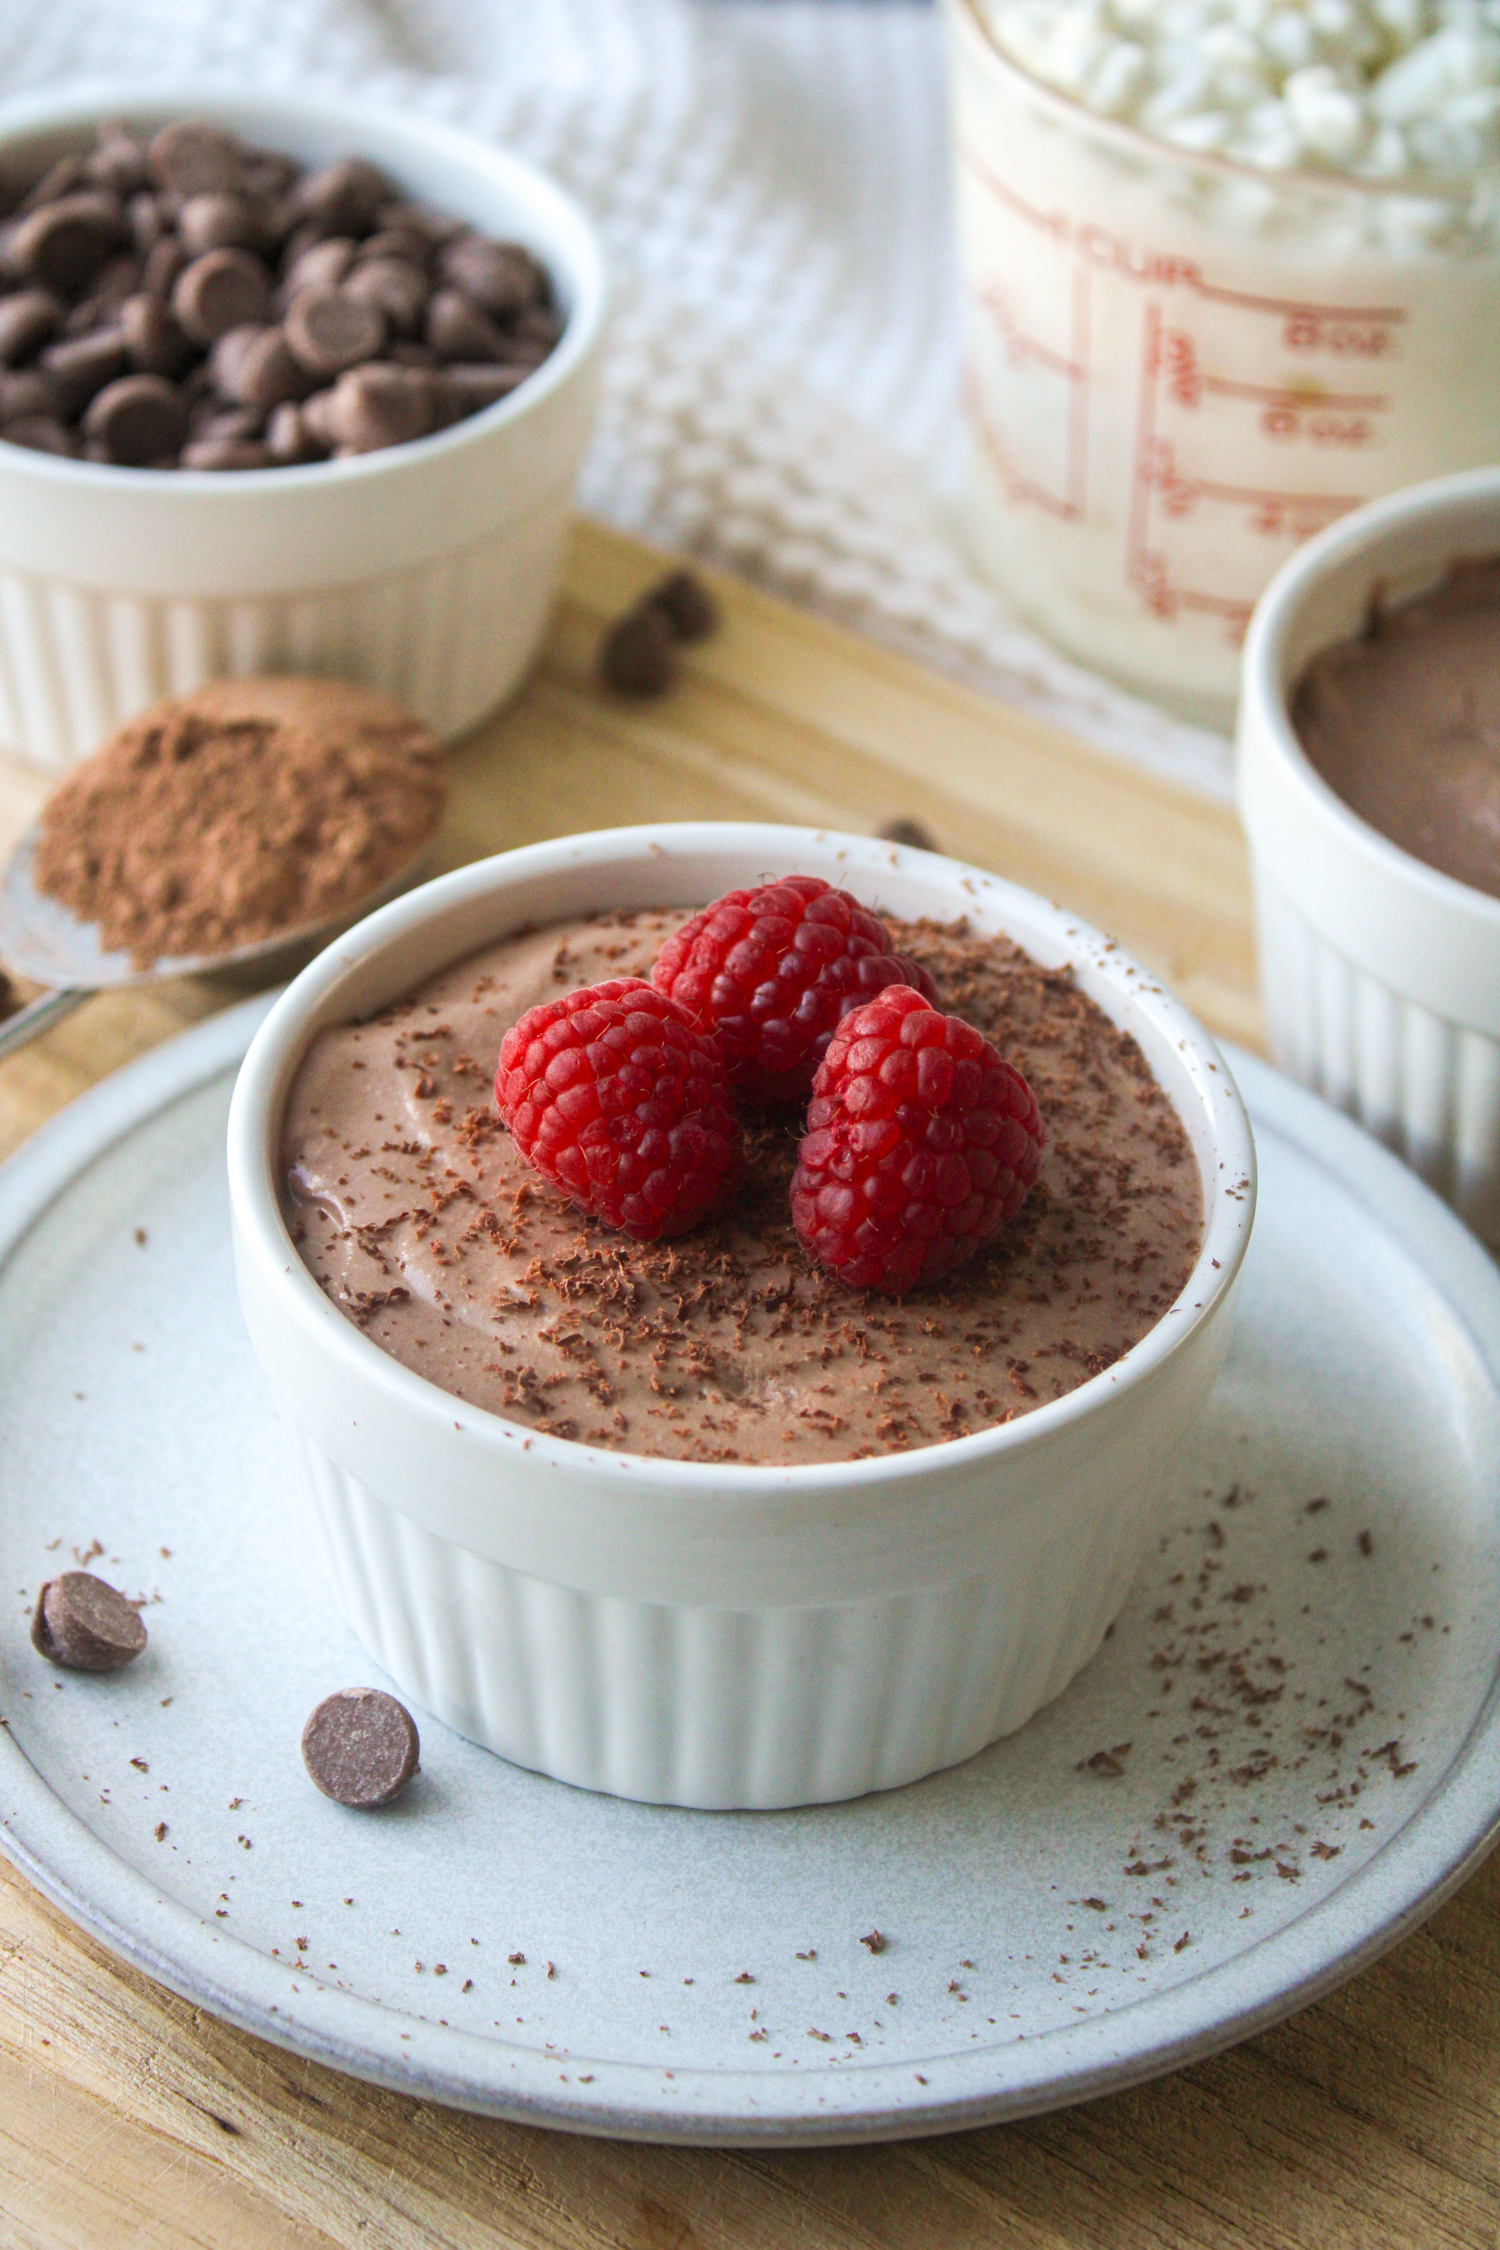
{"x":1380,"y":959}
{"x":424,"y":570}
{"x":718,"y":1631}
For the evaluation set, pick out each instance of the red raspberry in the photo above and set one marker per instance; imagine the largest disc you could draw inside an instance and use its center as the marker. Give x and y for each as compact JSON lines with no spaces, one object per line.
{"x":771,"y":972}
{"x":618,"y":1101}
{"x":922,"y":1141}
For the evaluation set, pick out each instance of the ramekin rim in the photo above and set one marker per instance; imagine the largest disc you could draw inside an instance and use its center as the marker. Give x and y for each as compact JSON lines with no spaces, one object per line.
{"x":263,"y":1233}
{"x":38,"y":111}
{"x":1264,"y":725}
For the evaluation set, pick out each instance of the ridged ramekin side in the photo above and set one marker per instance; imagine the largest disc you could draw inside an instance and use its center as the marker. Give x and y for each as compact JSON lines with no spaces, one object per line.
{"x":1426,"y":1086}
{"x":449,"y":638}
{"x":716,"y":1707}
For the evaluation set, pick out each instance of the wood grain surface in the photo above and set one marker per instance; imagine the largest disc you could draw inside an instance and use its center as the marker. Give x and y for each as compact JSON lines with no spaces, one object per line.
{"x":129,"y":2117}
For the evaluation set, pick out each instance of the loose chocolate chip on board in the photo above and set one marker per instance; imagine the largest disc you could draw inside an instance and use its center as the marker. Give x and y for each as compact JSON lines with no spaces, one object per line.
{"x":361,"y":1747}
{"x":329,"y":330}
{"x":221,"y":290}
{"x":28,"y":320}
{"x":137,"y":420}
{"x":82,"y":1623}
{"x":639,"y":654}
{"x":690,"y":608}
{"x":903,"y":830}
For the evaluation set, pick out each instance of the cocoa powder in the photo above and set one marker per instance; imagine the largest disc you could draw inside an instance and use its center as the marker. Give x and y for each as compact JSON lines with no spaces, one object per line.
{"x":248,"y":809}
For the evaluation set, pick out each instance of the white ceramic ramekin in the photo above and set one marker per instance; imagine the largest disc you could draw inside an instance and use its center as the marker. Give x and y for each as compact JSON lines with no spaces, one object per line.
{"x":721,"y":1636}
{"x":1381,"y":977}
{"x":426,"y":570}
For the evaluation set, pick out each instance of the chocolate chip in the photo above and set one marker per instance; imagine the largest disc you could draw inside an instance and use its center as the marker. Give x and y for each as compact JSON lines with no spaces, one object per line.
{"x":398,"y":288}
{"x":500,"y":277}
{"x":59,"y":179}
{"x":255,"y":365}
{"x":26,"y":393}
{"x":345,"y":195}
{"x":289,"y":439}
{"x":318,"y":420}
{"x":226,"y":453}
{"x":322,"y":266}
{"x":220,"y":220}
{"x":328,"y":330}
{"x":639,"y":654}
{"x":690,"y":608}
{"x":153,"y":336}
{"x":904,"y":830}
{"x":193,"y":156}
{"x":28,"y":320}
{"x":137,"y":419}
{"x":117,"y":163}
{"x":84,"y":1624}
{"x":80,"y":367}
{"x":457,"y":329}
{"x":211,"y":420}
{"x":221,"y":290}
{"x":107,"y":293}
{"x":420,"y":218}
{"x":164,"y":262}
{"x":40,"y":434}
{"x":65,"y":243}
{"x":379,"y":405}
{"x":361,"y":1747}
{"x":464,"y":390}
{"x":147,"y":221}
{"x":407,"y":243}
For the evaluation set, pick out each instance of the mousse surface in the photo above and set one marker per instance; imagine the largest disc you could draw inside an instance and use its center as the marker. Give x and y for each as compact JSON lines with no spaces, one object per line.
{"x":417,"y":1216}
{"x":1403,"y":723}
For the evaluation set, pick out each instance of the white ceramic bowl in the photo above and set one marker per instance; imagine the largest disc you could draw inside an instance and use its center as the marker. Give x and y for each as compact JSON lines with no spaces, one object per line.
{"x":426,"y":570}
{"x":1381,"y":977}
{"x":721,"y":1636}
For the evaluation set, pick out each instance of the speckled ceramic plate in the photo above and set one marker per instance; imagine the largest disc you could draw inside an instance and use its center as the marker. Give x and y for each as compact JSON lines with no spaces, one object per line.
{"x":1287,"y":1753}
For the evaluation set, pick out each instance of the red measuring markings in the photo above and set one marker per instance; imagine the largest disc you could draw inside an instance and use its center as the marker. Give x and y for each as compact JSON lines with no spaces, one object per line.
{"x":1160,"y":482}
{"x":1023,"y":349}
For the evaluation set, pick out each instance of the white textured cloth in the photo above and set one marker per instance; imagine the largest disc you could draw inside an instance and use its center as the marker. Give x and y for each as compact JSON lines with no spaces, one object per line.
{"x":771,"y":180}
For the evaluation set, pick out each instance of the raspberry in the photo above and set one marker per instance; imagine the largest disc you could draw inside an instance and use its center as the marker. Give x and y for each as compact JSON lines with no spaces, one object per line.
{"x":618,"y":1101}
{"x":771,"y":972}
{"x":922,"y":1141}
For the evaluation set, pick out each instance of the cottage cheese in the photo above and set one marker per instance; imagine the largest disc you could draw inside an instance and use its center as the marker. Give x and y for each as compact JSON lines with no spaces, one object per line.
{"x":1380,"y":89}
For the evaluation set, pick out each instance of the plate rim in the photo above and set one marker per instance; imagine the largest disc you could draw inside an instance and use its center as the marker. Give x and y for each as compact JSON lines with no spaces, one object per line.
{"x":1407,"y":1879}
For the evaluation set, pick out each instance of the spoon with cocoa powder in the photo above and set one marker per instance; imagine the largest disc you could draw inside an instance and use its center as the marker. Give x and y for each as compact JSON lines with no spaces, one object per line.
{"x":225,"y":831}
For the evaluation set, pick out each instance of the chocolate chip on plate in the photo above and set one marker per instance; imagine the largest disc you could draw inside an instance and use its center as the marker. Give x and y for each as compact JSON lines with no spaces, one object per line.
{"x":329,"y":330}
{"x":361,"y":1747}
{"x":690,"y":608}
{"x":136,"y":420}
{"x":84,"y":1624}
{"x":639,"y":654}
{"x":904,"y":830}
{"x":221,"y":290}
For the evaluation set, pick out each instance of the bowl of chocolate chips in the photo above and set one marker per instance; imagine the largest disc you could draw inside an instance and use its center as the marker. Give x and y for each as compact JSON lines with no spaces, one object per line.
{"x":286,"y":385}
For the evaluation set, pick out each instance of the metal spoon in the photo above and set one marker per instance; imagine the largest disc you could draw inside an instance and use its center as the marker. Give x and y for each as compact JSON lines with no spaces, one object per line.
{"x":42,"y":940}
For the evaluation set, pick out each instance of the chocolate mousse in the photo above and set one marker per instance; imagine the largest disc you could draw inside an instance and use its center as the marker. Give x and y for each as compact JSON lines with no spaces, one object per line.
{"x":418,"y":1217}
{"x":1404,"y":723}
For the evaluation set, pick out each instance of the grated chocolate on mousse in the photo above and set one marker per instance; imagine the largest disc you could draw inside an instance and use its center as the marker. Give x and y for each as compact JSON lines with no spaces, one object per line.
{"x":420,"y":1220}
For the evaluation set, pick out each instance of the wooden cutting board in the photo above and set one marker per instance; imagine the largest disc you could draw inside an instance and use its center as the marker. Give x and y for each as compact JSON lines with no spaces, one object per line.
{"x":127,"y":2116}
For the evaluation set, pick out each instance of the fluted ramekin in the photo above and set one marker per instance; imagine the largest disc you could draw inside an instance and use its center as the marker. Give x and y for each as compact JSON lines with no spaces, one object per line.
{"x":426,"y":570}
{"x":1381,"y":976}
{"x":707,"y":1635}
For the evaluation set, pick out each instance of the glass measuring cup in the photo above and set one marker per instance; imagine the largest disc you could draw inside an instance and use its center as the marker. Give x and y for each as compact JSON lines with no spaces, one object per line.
{"x":1178,"y":367}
